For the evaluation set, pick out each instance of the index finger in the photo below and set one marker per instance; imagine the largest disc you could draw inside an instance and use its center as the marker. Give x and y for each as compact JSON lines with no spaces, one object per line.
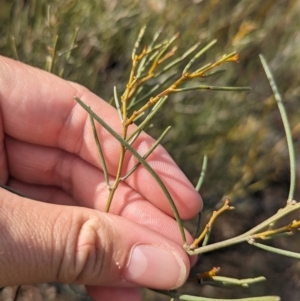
{"x":39,"y":108}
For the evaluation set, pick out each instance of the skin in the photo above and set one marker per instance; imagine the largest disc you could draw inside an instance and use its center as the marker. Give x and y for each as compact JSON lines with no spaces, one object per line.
{"x":59,"y":232}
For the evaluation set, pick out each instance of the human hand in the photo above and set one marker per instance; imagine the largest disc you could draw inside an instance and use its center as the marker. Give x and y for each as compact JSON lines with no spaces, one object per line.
{"x":60,"y":232}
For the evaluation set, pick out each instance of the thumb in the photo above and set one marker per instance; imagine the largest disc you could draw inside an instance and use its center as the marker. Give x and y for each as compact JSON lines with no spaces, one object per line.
{"x":41,"y":242}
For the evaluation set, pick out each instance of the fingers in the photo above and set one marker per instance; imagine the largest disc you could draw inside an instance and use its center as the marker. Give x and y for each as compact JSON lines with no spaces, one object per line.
{"x":47,"y":166}
{"x":39,"y":108}
{"x":85,"y":186}
{"x":141,"y":212}
{"x":42,"y":242}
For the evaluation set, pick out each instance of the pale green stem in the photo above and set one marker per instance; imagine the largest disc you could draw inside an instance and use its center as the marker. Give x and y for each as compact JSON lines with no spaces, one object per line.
{"x":286,"y":125}
{"x":100,"y":152}
{"x":165,"y":48}
{"x":117,"y":103}
{"x":14,"y":48}
{"x":178,"y":60}
{"x":136,"y":101}
{"x":275,"y":250}
{"x":141,"y":66}
{"x":50,"y":62}
{"x":138,"y":41}
{"x":202,"y":174}
{"x":153,"y":147}
{"x":216,"y":88}
{"x":227,"y":281}
{"x":68,"y":54}
{"x":206,"y":238}
{"x":192,"y":298}
{"x":197,"y":55}
{"x":206,"y":75}
{"x":153,"y":112}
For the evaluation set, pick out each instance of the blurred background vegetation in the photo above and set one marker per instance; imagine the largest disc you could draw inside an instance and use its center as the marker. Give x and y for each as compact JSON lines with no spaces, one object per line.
{"x":241,"y":132}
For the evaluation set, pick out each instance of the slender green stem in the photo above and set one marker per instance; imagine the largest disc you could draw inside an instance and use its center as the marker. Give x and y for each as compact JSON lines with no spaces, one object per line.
{"x":68,"y":54}
{"x":202,"y":174}
{"x":197,"y":55}
{"x":117,"y":103}
{"x":143,"y":62}
{"x":144,"y":163}
{"x":275,"y":250}
{"x":148,"y":58}
{"x":100,"y":152}
{"x":192,"y":298}
{"x":198,"y":187}
{"x":286,"y":125}
{"x":12,"y":190}
{"x":136,"y":100}
{"x":206,"y":75}
{"x":14,"y":48}
{"x":198,"y":224}
{"x":153,"y":147}
{"x":206,"y":238}
{"x":53,"y":54}
{"x":138,"y":41}
{"x":160,"y":53}
{"x":178,"y":60}
{"x":226,"y":58}
{"x":202,"y":68}
{"x":153,"y":112}
{"x":216,"y":88}
{"x":171,"y":40}
{"x":134,"y":97}
{"x":227,"y":281}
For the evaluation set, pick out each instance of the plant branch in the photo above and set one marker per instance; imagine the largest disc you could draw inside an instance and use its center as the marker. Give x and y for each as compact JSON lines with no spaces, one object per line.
{"x":208,"y":226}
{"x":290,"y":207}
{"x":202,"y":174}
{"x":126,"y":145}
{"x":286,"y":125}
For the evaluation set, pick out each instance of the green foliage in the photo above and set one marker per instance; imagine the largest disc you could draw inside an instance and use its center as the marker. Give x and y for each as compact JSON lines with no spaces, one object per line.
{"x":236,"y":130}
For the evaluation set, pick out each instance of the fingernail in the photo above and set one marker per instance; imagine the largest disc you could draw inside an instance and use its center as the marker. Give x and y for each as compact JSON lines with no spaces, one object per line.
{"x":155,"y":267}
